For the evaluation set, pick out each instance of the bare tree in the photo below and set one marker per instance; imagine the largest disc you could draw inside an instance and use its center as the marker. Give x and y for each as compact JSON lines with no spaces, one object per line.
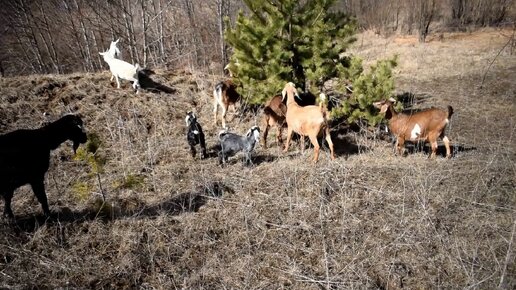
{"x":223,"y":7}
{"x":425,"y":15}
{"x":49,"y":44}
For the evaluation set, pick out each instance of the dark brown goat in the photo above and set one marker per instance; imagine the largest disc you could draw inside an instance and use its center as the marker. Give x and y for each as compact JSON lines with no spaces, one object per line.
{"x":274,"y":114}
{"x":224,"y":95}
{"x":427,"y":125}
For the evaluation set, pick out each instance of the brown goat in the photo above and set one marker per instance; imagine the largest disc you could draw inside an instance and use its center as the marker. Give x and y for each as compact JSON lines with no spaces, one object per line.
{"x":274,"y":114}
{"x":224,"y":95}
{"x":427,"y":126}
{"x":306,"y":121}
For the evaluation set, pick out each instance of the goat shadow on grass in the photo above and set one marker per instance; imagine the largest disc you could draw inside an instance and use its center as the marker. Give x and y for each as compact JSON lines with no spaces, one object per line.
{"x":174,"y":205}
{"x":149,"y":84}
{"x":415,"y":147}
{"x":409,"y":99}
{"x":256,"y":159}
{"x":343,"y":143}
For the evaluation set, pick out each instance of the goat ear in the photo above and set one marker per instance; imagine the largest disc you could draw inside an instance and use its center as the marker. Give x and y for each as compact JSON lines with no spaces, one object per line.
{"x":283,"y":93}
{"x":392,"y":100}
{"x":116,"y":41}
{"x":102,"y":53}
{"x":377,"y":104}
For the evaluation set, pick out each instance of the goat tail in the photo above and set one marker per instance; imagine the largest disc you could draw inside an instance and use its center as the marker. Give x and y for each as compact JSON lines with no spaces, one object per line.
{"x":222,"y":133}
{"x":325,"y":115}
{"x":138,"y":67}
{"x":217,"y":92}
{"x":322,"y":105}
{"x":450,"y":111}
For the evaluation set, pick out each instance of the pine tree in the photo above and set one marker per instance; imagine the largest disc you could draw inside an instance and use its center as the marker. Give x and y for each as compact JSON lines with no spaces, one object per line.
{"x":368,"y":87}
{"x":288,"y":40}
{"x":303,"y":42}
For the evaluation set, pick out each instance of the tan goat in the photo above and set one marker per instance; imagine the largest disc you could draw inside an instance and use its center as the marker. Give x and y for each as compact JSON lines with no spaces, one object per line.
{"x":274,"y":114}
{"x":427,"y":125}
{"x":224,"y":95}
{"x":306,"y":121}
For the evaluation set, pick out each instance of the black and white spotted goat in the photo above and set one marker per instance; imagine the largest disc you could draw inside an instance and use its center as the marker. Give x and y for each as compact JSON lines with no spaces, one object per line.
{"x":24,"y":157}
{"x":231,"y":143}
{"x":194,"y":135}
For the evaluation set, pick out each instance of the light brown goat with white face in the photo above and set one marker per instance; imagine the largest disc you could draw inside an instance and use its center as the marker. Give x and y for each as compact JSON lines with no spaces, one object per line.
{"x":427,"y":125}
{"x":306,"y":121}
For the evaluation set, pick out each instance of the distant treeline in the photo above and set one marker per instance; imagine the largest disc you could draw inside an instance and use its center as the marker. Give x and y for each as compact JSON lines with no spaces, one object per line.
{"x":63,"y":36}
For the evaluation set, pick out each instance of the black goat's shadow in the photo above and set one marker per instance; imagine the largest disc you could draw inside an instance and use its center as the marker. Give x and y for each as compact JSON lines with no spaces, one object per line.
{"x":342,"y":141}
{"x":175,"y":205}
{"x":415,"y":147}
{"x":149,"y":84}
{"x":409,"y":99}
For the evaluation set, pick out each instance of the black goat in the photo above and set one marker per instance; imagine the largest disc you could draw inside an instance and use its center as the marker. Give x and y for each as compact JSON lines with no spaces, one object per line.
{"x":25,"y":154}
{"x":231,"y":143}
{"x":194,"y":135}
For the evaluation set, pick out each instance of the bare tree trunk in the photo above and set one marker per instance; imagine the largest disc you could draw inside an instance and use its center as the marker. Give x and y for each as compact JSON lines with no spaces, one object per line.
{"x":161,"y":36}
{"x":158,"y":11}
{"x":195,"y":41}
{"x":85,"y":37}
{"x":223,"y":11}
{"x":28,"y":27}
{"x":144,"y":28}
{"x":25,"y":54}
{"x":127,"y":22}
{"x":76,"y":35}
{"x":426,"y":14}
{"x":50,"y":48}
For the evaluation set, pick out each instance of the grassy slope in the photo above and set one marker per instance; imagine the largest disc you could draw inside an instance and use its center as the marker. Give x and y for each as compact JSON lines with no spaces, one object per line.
{"x":367,"y":220}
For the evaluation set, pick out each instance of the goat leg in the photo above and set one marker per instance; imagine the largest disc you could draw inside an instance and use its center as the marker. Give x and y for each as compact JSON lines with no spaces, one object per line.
{"x":265,"y":132}
{"x":192,"y":150}
{"x":7,"y":204}
{"x":203,"y":146}
{"x":400,"y":145}
{"x":224,"y":112}
{"x":248,"y":160}
{"x":447,"y":145}
{"x":117,"y":82}
{"x":287,"y":143}
{"x":330,"y":143}
{"x":278,"y":137}
{"x":314,"y":141}
{"x":215,"y":107}
{"x":222,"y":160}
{"x":433,"y":144}
{"x":39,"y":190}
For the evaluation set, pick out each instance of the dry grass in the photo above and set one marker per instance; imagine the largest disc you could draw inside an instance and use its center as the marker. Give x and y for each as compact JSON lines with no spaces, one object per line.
{"x":369,"y":220}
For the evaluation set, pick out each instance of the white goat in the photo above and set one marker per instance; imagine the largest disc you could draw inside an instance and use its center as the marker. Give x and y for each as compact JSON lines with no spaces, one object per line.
{"x":113,"y":50}
{"x":122,"y":69}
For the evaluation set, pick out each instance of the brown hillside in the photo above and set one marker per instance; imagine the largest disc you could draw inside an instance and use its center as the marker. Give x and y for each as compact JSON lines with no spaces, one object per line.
{"x":368,"y":220}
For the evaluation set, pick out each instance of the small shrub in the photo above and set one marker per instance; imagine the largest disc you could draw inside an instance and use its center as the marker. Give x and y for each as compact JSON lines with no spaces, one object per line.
{"x":130,"y":181}
{"x":81,"y":190}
